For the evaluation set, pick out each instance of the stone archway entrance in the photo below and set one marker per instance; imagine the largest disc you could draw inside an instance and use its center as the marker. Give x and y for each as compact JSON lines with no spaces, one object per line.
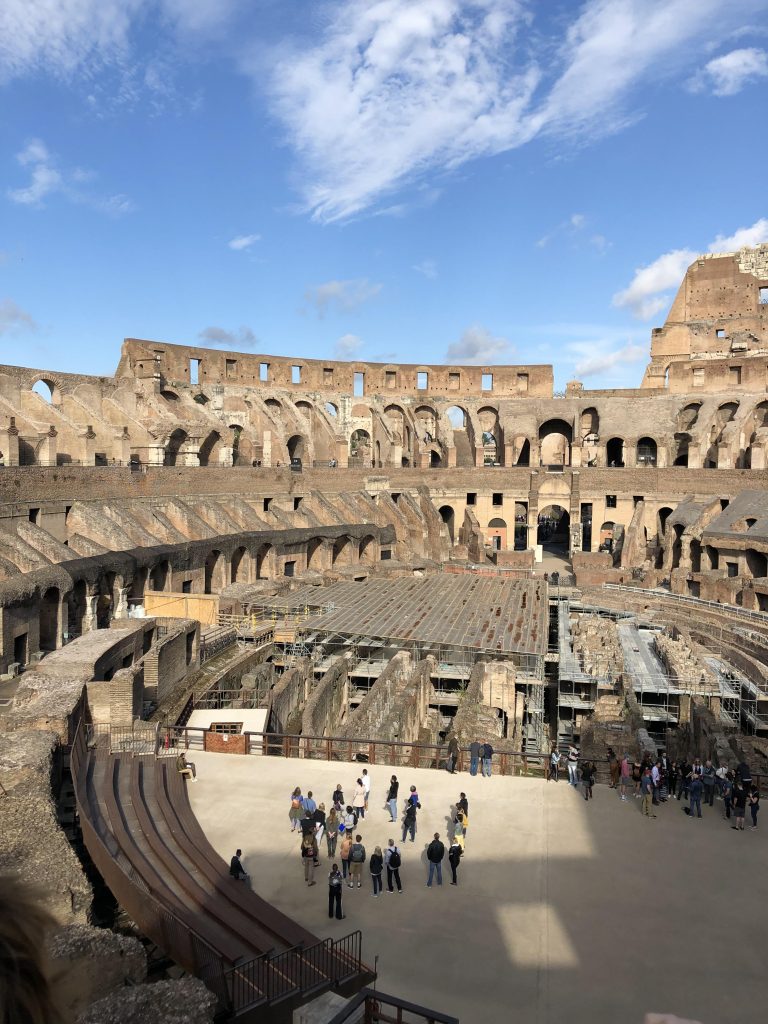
{"x":553,"y":529}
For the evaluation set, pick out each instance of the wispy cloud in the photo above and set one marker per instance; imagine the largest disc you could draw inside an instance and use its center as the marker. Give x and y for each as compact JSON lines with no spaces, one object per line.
{"x":427,"y":268}
{"x":593,"y":361}
{"x":243,"y":242}
{"x":390,"y":91}
{"x":14,"y":319}
{"x":478,"y":346}
{"x":218,"y":337}
{"x":348,"y":346}
{"x":730,"y":73}
{"x":649,"y":292}
{"x":46,"y":180}
{"x":341,"y":296}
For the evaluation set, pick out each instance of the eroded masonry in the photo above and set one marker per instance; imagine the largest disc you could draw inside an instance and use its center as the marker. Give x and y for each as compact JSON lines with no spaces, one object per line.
{"x":249,"y":545}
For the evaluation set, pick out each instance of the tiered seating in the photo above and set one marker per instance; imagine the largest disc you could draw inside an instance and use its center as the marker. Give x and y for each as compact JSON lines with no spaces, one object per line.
{"x":142,"y":835}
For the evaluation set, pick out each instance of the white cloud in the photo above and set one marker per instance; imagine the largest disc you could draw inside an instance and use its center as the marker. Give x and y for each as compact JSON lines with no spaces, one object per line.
{"x":46,"y":180}
{"x":243,"y":242}
{"x":218,"y":337}
{"x":753,"y":235}
{"x":343,"y":296}
{"x":13,"y":318}
{"x":649,"y":292}
{"x":594,"y":362}
{"x":427,"y":268}
{"x":478,"y":346}
{"x":572,"y":226}
{"x":388,"y":91}
{"x":646,"y":295}
{"x":727,"y":75}
{"x":348,"y":346}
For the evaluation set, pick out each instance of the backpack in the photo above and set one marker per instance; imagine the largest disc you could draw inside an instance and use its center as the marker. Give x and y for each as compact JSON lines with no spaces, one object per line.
{"x":357,"y":855}
{"x":394,"y":859}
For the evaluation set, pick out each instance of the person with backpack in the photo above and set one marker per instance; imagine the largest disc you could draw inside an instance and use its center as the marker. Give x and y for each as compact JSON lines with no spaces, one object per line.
{"x":394,"y":785}
{"x":393,"y":860}
{"x":454,"y":857}
{"x":435,"y":854}
{"x":296,"y":812}
{"x":335,"y":888}
{"x":357,"y":857}
{"x":413,"y":797}
{"x":409,"y":820}
{"x":376,"y":866}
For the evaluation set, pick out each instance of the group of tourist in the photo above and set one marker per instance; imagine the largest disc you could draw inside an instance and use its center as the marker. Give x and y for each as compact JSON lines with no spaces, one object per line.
{"x":339,"y":828}
{"x":654,"y":781}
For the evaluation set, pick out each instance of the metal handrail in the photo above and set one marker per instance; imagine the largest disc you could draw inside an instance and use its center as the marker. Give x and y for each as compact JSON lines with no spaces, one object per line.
{"x":374,"y":1003}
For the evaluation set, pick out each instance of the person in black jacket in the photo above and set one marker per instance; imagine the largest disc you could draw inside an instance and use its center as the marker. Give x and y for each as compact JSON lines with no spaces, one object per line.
{"x":394,"y":785}
{"x":435,"y":854}
{"x":454,"y":856}
{"x":376,"y":867}
{"x":487,"y":759}
{"x":409,"y":820}
{"x":335,"y":887}
{"x":453,"y":755}
{"x":236,"y":868}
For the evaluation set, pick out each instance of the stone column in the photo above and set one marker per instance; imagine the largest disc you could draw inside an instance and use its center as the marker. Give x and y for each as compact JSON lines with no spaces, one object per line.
{"x":9,"y":443}
{"x":88,"y":447}
{"x":121,"y":608}
{"x":89,"y":617}
{"x":46,"y":455}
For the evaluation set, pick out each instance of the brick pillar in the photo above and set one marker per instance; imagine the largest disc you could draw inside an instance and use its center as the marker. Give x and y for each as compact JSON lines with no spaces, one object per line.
{"x":9,"y":443}
{"x":46,"y":455}
{"x":88,"y":447}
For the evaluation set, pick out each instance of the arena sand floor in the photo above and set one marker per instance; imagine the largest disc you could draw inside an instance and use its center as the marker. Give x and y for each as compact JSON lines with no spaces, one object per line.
{"x":565,"y":910}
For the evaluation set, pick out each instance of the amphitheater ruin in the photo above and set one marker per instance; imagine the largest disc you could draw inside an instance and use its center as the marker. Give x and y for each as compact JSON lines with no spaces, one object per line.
{"x":257,"y":555}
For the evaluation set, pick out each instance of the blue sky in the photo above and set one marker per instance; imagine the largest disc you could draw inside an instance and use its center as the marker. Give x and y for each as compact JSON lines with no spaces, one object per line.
{"x":413,"y":180}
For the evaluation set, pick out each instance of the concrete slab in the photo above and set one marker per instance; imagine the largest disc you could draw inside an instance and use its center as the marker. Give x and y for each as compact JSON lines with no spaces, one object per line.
{"x":565,"y":910}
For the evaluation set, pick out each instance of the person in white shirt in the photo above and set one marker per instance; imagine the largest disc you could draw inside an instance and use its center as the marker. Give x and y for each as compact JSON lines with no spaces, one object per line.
{"x":573,"y":766}
{"x":366,"y":786}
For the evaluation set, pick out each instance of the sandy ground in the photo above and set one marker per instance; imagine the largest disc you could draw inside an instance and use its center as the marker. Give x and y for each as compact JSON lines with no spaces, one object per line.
{"x":565,"y":910}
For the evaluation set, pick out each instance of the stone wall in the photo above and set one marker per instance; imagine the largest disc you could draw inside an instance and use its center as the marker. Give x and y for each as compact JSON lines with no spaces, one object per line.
{"x":326,"y":709}
{"x":289,"y":696}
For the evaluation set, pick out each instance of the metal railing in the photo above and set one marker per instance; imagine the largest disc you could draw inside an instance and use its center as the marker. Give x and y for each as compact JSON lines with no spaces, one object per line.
{"x":697,"y":602}
{"x":215,"y":641}
{"x":380,"y":1008}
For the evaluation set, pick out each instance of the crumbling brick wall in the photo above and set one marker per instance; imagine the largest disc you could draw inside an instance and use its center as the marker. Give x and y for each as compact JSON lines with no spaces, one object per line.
{"x":326,"y":708}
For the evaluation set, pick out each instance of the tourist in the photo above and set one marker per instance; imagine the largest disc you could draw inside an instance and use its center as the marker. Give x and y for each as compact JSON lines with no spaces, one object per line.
{"x":458,"y":829}
{"x":646,"y":790}
{"x":695,"y":794}
{"x":346,"y":846}
{"x":335,"y":888}
{"x":739,"y":803}
{"x":487,"y":759}
{"x":409,"y":820}
{"x":685,"y":780}
{"x":656,"y":777}
{"x":308,"y":826}
{"x":454,"y":857}
{"x":474,"y":756}
{"x":376,"y":867}
{"x":338,"y":797}
{"x":588,"y":778}
{"x":637,"y":774}
{"x":309,"y":856}
{"x":720,"y":776}
{"x":358,"y":801}
{"x":674,"y":775}
{"x":357,"y":858}
{"x":573,"y":765}
{"x":726,"y":788}
{"x":413,"y":797}
{"x":394,"y":785}
{"x":185,"y":767}
{"x":744,"y":772}
{"x":554,"y":764}
{"x":453,"y":754}
{"x":296,"y":812}
{"x":366,"y":781}
{"x":462,"y":804}
{"x":708,"y":778}
{"x":435,"y":854}
{"x":392,"y":861}
{"x":754,"y":805}
{"x":319,"y":819}
{"x":624,"y":777}
{"x":350,"y":819}
{"x":236,"y":868}
{"x":613,"y":768}
{"x":697,"y":769}
{"x":310,"y":804}
{"x":332,"y":832}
